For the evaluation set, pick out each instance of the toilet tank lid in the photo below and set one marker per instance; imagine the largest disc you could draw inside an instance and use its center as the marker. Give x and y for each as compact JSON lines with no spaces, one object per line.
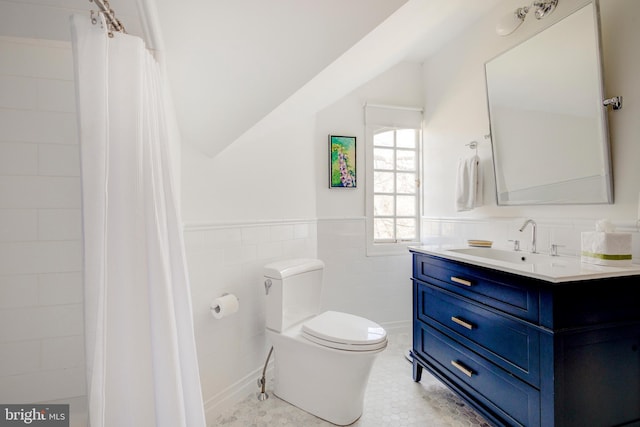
{"x":291,"y":267}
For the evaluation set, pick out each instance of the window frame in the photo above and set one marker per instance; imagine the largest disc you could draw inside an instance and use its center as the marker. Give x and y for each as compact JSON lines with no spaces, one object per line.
{"x":392,"y":247}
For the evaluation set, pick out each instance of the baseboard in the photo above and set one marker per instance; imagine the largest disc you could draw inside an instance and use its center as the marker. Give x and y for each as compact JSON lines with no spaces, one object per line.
{"x":397,"y":326}
{"x":225,"y":399}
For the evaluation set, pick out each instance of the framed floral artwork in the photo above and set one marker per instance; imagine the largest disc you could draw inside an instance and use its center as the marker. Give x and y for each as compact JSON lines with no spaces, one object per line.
{"x":342,"y":161}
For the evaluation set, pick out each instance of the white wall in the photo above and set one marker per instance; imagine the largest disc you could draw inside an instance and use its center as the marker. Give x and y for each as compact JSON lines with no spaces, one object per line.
{"x":270,"y":177}
{"x":41,"y":312}
{"x":252,"y":204}
{"x":374,"y":287}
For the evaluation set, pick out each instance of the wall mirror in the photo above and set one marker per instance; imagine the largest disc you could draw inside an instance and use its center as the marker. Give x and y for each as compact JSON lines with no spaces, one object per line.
{"x":549,"y":131}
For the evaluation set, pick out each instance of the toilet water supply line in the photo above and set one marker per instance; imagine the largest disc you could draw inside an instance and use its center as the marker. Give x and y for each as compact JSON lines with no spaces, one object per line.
{"x":262,"y":382}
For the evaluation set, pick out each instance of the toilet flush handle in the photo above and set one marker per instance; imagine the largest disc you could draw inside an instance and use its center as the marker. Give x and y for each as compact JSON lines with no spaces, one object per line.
{"x":267,"y":286}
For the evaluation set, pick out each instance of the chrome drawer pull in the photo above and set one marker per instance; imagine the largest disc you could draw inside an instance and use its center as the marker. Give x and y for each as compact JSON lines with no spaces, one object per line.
{"x":468,"y":372}
{"x":462,"y":323}
{"x":461,"y":281}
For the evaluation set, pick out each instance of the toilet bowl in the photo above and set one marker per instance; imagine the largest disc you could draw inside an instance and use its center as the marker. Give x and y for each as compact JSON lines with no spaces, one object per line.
{"x":322,"y":360}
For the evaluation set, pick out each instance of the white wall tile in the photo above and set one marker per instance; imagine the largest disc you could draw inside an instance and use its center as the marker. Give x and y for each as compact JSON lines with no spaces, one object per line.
{"x":18,"y":225}
{"x":40,"y":322}
{"x":270,"y":250}
{"x":60,"y":288}
{"x":301,"y":231}
{"x":19,"y":357}
{"x":223,"y":236}
{"x":53,"y":60}
{"x":295,"y":249}
{"x":17,"y":92}
{"x":18,"y":158}
{"x":257,"y":234}
{"x":18,"y":258}
{"x":63,"y":352}
{"x":59,"y":256}
{"x":249,"y":253}
{"x":41,"y":314}
{"x":59,"y":224}
{"x":281,"y":232}
{"x":18,"y":291}
{"x":59,"y":160}
{"x":56,"y":95}
{"x":20,"y":192}
{"x":38,"y":126}
{"x":40,"y":257}
{"x":43,"y":386}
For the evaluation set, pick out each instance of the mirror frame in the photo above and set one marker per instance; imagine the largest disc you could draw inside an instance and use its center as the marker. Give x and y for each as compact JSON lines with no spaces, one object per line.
{"x":602,"y":117}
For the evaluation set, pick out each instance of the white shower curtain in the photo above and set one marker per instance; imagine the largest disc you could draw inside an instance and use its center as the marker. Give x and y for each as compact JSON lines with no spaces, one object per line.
{"x":141,"y":359}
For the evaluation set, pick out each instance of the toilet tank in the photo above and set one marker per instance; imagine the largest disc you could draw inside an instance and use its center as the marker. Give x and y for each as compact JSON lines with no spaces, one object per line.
{"x":294,"y":292}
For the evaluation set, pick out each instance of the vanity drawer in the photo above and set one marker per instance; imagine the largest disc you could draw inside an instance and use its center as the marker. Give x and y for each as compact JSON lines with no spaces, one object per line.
{"x":510,"y":399}
{"x":487,"y":287}
{"x":513,"y":345}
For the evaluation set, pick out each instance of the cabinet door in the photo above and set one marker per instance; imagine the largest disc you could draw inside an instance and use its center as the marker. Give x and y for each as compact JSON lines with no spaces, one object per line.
{"x":598,"y":377}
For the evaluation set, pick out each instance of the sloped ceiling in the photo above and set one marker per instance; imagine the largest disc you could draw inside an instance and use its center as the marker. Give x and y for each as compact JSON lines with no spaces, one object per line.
{"x":232,"y":62}
{"x":238,"y":67}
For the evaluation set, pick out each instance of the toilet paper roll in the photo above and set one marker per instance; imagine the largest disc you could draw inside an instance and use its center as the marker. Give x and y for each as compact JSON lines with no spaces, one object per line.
{"x":224,"y":306}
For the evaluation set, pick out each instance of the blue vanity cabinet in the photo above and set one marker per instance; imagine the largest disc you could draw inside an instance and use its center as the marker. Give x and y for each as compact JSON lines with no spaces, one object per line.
{"x":527,"y":352}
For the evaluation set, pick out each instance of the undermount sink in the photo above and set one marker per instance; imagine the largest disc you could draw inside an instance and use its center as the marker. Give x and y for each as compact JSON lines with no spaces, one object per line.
{"x":503,"y":255}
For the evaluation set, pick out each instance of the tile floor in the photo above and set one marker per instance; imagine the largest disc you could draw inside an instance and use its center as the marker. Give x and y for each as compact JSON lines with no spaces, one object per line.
{"x":392,"y":399}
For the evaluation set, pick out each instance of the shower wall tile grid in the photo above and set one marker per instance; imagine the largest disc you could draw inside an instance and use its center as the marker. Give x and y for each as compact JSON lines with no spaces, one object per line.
{"x":41,"y":332}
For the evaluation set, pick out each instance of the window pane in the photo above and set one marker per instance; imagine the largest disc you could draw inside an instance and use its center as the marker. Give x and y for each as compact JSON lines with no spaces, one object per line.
{"x":406,"y":206}
{"x":383,"y":229}
{"x":383,"y":182}
{"x":406,"y":160}
{"x":383,"y":158}
{"x":406,"y":183}
{"x":406,"y":229}
{"x":383,"y":139}
{"x":406,"y":138}
{"x":383,"y":205}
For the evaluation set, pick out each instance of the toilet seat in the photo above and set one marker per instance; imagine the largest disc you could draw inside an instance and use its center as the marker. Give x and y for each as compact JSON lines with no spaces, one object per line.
{"x":344,"y":331}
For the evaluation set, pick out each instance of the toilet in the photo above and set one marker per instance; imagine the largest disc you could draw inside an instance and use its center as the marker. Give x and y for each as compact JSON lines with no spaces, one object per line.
{"x":322,"y":359}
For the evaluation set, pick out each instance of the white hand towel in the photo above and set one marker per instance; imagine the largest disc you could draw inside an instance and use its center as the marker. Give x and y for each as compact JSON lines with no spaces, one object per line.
{"x":468,"y":184}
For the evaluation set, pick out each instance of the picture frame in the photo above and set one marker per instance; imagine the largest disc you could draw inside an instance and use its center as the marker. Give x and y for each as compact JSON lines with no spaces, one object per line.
{"x":342,"y":161}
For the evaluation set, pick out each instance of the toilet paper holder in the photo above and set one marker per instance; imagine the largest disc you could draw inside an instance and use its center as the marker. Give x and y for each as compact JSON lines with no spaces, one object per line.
{"x":215,"y":308}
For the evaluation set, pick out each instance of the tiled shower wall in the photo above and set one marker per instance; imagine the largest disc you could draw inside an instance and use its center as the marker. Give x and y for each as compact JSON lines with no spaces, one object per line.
{"x":41,"y":326}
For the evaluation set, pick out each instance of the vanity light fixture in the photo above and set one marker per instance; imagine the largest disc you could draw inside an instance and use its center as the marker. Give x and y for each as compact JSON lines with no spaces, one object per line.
{"x":510,"y":22}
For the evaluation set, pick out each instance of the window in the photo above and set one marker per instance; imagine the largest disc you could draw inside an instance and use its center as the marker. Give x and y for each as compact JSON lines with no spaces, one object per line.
{"x":393,"y":179}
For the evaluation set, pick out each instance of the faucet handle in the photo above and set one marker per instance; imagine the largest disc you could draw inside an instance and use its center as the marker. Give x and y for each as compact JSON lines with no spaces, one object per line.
{"x":516,"y":244}
{"x":553,"y":251}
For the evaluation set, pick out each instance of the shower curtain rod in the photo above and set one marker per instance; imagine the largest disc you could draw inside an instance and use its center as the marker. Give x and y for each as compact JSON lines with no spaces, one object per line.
{"x":113,"y":22}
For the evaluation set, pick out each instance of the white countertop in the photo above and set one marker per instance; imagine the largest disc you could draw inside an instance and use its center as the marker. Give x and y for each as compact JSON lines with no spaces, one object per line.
{"x":556,"y":269}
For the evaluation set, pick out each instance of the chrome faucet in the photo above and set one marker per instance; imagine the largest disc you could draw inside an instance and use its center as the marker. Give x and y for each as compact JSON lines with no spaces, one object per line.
{"x":533,"y":234}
